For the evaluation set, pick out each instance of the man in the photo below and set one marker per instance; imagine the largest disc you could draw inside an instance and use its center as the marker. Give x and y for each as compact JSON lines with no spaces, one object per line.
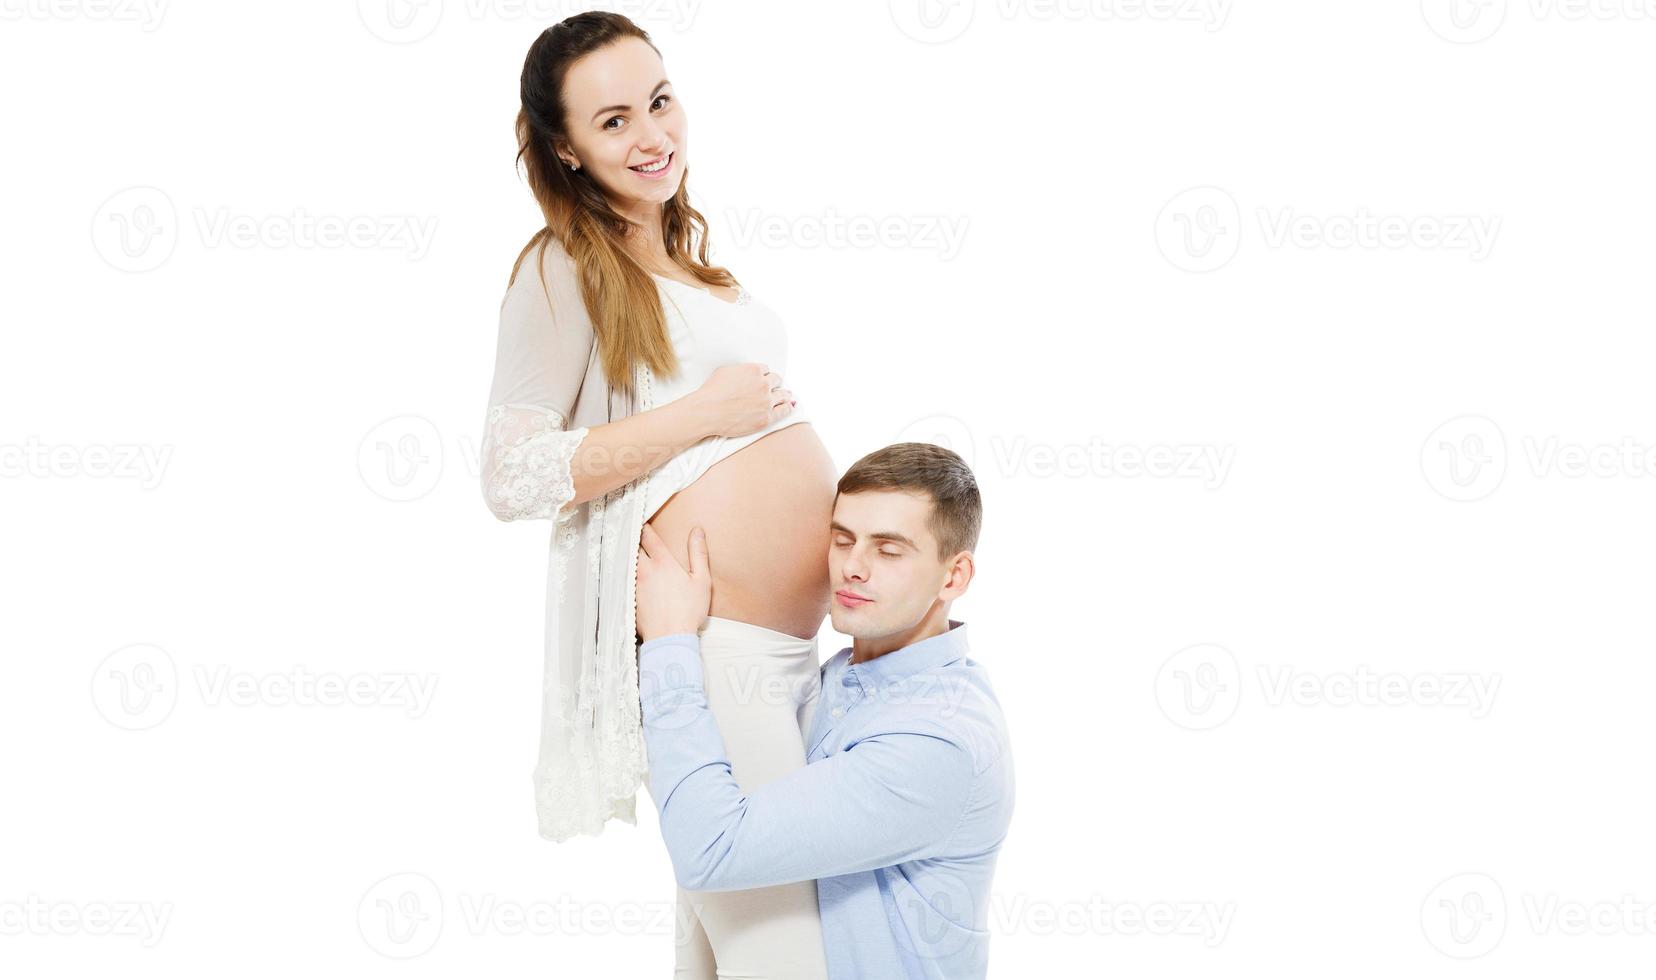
{"x":905,"y":799}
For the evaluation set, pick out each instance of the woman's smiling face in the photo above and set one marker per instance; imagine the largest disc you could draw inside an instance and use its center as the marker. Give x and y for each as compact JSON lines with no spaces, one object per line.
{"x":623,"y":115}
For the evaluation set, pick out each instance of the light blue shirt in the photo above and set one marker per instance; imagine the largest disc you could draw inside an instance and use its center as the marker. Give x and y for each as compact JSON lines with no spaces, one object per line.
{"x":899,"y":812}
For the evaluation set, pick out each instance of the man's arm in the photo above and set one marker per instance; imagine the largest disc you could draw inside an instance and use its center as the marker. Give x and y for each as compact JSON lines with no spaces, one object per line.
{"x":892,"y":797}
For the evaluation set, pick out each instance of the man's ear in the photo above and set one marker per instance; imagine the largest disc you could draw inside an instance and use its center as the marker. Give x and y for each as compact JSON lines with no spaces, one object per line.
{"x":961,"y":571}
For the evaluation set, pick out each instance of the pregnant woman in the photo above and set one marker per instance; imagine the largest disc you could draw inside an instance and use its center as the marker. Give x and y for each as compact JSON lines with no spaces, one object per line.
{"x":636,"y":383}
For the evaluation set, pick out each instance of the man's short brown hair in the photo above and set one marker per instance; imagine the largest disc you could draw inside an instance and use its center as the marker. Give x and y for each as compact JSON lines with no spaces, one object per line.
{"x":921,"y":467}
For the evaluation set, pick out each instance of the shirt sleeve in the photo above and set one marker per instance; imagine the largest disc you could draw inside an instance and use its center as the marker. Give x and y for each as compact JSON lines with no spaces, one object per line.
{"x":544,"y":345}
{"x":893,"y":796}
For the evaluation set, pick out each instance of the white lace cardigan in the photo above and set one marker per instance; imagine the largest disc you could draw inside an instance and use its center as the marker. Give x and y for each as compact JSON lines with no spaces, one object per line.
{"x":548,"y":389}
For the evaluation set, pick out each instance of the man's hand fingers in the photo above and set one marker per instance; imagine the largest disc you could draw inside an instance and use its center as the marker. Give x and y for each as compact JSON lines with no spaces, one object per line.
{"x":698,"y":552}
{"x":650,"y":542}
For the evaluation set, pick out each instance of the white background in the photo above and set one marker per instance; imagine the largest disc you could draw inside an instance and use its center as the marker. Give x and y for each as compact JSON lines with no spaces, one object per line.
{"x":1191,"y":231}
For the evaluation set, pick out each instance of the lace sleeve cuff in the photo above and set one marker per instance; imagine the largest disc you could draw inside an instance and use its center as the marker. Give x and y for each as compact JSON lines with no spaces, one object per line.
{"x":526,"y":463}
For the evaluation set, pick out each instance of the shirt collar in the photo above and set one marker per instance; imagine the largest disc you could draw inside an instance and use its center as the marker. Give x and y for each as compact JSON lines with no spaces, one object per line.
{"x":916,"y":658}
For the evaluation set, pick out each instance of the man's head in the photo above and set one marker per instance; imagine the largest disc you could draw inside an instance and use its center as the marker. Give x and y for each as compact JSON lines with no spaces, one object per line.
{"x":906,"y":519}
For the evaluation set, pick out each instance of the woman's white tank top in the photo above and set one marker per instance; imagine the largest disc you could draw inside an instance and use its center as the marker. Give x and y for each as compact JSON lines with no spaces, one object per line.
{"x":707,"y":333}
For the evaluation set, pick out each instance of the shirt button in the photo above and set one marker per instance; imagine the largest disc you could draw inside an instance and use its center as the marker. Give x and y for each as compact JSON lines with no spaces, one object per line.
{"x":837,"y":712}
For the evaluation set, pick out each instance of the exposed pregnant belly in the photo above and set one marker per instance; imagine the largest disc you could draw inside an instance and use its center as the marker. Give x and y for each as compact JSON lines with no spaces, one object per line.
{"x":765,"y":509}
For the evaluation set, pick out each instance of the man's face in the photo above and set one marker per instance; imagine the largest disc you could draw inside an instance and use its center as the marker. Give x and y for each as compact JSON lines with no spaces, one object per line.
{"x":902,"y":575}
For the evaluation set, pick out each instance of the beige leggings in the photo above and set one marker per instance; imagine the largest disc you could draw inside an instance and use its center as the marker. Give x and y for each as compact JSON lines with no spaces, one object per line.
{"x":762,"y":687}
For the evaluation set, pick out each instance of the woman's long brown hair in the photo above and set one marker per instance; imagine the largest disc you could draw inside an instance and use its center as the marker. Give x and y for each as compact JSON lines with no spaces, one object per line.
{"x":622,"y":299}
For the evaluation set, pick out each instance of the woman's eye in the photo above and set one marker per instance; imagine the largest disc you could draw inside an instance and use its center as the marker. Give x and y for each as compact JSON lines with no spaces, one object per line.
{"x":659,"y":98}
{"x":890,"y":554}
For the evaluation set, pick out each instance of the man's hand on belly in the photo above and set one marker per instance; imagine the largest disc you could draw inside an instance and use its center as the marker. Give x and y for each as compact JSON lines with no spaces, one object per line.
{"x":670,"y":600}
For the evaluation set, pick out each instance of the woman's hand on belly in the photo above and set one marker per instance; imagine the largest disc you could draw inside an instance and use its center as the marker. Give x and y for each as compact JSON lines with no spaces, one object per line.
{"x":743,"y":398}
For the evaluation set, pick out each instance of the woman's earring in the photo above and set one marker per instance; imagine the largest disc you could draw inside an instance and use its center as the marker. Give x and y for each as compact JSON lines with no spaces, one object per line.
{"x":574,"y":166}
